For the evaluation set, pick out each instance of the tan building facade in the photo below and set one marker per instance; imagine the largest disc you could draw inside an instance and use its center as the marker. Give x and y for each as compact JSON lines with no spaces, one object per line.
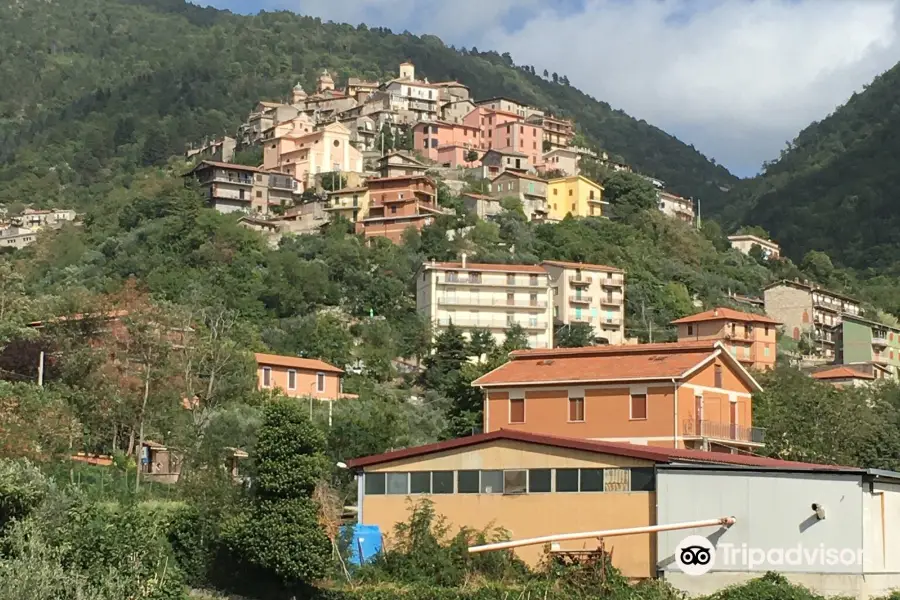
{"x":808,"y":309}
{"x":487,"y":296}
{"x":397,"y":204}
{"x":303,"y":154}
{"x":350,"y":203}
{"x":745,"y":243}
{"x":529,"y":190}
{"x":750,"y":338}
{"x":674,"y":395}
{"x":299,"y":377}
{"x":237,"y":188}
{"x":591,"y":294}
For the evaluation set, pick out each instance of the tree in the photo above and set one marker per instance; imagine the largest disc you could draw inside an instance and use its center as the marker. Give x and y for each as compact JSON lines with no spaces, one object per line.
{"x":546,"y":74}
{"x":546,"y":146}
{"x":555,"y":78}
{"x":278,"y":531}
{"x":386,"y":138}
{"x":481,"y":343}
{"x":516,"y":338}
{"x":251,"y":157}
{"x":156,"y":148}
{"x":333,"y":180}
{"x":629,"y":192}
{"x":448,"y":357}
{"x":574,"y":335}
{"x":472,"y":155}
{"x":818,"y":265}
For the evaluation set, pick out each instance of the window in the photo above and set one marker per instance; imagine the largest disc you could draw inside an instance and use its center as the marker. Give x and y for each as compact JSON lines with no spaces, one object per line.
{"x":766,"y":330}
{"x":491,"y":482}
{"x":521,"y":129}
{"x":639,"y":406}
{"x":320,"y":382}
{"x":467,"y":482}
{"x":643,"y":479}
{"x":766,"y":351}
{"x":442,"y":482}
{"x":397,"y":483}
{"x":420,"y":482}
{"x":576,"y":409}
{"x":718,"y":372}
{"x":567,"y":480}
{"x":690,"y":330}
{"x":510,"y":279}
{"x":375,"y":484}
{"x":258,"y":194}
{"x":591,"y":480}
{"x":539,"y":481}
{"x":748,"y":329}
{"x":514,"y":482}
{"x":533,"y":300}
{"x":555,"y":192}
{"x":267,"y":377}
{"x":591,"y":195}
{"x":393,"y":210}
{"x":746,"y":351}
{"x":517,"y":410}
{"x":570,"y":192}
{"x":292,"y":379}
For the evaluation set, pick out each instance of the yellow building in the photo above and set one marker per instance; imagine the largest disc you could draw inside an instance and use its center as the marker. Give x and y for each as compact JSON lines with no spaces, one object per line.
{"x":577,"y":195}
{"x":352,"y":203}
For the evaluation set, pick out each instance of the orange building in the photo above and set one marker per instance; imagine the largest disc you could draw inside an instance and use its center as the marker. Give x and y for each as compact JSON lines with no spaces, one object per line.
{"x":749,"y":337}
{"x":398,"y":203}
{"x":299,"y":377}
{"x":681,"y":394}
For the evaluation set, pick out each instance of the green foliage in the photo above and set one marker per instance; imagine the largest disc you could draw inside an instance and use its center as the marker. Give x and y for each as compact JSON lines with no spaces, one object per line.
{"x":574,"y":335}
{"x":251,"y":157}
{"x":22,"y":488}
{"x":629,"y":192}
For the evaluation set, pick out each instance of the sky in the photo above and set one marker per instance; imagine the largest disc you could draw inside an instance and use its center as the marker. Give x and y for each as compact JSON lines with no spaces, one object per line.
{"x":737,"y":79}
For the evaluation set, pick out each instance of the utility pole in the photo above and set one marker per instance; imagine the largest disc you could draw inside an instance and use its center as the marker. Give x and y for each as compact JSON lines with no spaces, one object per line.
{"x":699,"y":223}
{"x":41,"y":369}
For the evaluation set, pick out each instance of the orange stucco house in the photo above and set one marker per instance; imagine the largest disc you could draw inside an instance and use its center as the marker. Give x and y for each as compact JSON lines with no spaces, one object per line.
{"x":682,"y":394}
{"x":749,"y":337}
{"x":299,"y":377}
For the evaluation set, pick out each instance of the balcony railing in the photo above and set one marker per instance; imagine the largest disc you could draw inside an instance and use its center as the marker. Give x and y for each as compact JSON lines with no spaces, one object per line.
{"x":491,"y":323}
{"x":610,"y":321}
{"x":580,"y":299}
{"x":614,"y":282}
{"x":879,"y":340}
{"x":498,"y":302}
{"x":723,"y":431}
{"x":579,"y":280}
{"x":611,"y":300}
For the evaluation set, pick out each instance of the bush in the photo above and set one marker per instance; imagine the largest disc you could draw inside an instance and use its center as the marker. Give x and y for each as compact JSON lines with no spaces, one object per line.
{"x":22,"y":488}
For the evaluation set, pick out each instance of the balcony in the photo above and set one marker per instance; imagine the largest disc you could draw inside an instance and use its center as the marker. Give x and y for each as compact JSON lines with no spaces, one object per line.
{"x":579,"y":280}
{"x":610,"y":322}
{"x":469,"y":322}
{"x":879,"y":340}
{"x":723,"y":431}
{"x":520,"y":282}
{"x":611,"y":301}
{"x":225,"y":178}
{"x":495,"y":302}
{"x":612,"y":282}
{"x":580,"y":299}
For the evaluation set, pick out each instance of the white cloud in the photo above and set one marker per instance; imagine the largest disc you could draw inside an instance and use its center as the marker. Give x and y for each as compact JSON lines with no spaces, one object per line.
{"x":735,"y":78}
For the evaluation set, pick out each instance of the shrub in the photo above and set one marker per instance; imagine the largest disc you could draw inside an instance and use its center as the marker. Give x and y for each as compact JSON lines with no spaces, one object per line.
{"x":22,"y":488}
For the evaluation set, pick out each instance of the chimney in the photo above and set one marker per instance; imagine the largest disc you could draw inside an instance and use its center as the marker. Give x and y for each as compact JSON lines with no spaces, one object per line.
{"x":463,"y":260}
{"x":715,"y":312}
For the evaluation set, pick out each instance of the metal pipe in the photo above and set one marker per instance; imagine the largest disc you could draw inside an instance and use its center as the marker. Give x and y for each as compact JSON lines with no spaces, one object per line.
{"x":559,"y":537}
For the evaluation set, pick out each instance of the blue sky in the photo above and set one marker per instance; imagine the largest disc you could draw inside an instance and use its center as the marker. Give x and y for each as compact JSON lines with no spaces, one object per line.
{"x":735,"y":78}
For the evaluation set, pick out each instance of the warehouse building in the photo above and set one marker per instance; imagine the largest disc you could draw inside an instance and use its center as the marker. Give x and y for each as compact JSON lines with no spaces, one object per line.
{"x":534,"y":485}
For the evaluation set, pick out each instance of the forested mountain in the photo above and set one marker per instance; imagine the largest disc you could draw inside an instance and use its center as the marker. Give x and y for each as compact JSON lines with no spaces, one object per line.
{"x":93,"y":88}
{"x":835,"y":187}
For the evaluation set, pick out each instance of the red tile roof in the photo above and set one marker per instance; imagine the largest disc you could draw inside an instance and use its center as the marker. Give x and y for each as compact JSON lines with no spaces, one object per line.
{"x":842,"y":372}
{"x":515,"y":174}
{"x":310,"y":364}
{"x":615,"y":363}
{"x":582,"y":266}
{"x":726,"y":314}
{"x":232,"y":166}
{"x":650,"y":453}
{"x":495,"y":268}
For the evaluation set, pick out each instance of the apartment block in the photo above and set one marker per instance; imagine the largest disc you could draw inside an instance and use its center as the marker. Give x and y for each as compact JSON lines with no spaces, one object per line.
{"x":591,"y":294}
{"x":530,"y":191}
{"x":349,"y":203}
{"x":398,"y":203}
{"x":487,"y":296}
{"x":577,"y":196}
{"x":508,"y":105}
{"x":558,"y":133}
{"x":745,"y":243}
{"x":238,"y":188}
{"x":750,"y":338}
{"x":676,"y":207}
{"x":805,"y":308}
{"x":859,"y":340}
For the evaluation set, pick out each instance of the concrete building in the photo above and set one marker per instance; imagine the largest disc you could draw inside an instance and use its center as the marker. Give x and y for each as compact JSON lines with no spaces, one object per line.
{"x":398,"y":203}
{"x":519,"y":136}
{"x":350,"y":203}
{"x":591,"y":294}
{"x":220,"y":149}
{"x":271,"y":229}
{"x":558,"y":133}
{"x":455,"y":111}
{"x":529,"y":190}
{"x":745,"y":243}
{"x":577,"y":196}
{"x":562,"y":159}
{"x":303,"y":154}
{"x":399,"y":164}
{"x":676,"y":207}
{"x":39,"y":218}
{"x":675,"y":395}
{"x":447,"y":143}
{"x":508,"y":105}
{"x":749,"y":337}
{"x":808,"y":309}
{"x":483,"y":207}
{"x":832,"y":529}
{"x":487,"y":120}
{"x":487,"y":296}
{"x":507,"y":478}
{"x":859,"y":340}
{"x":238,"y":188}
{"x":16,"y":237}
{"x":299,"y":377}
{"x":841,"y":376}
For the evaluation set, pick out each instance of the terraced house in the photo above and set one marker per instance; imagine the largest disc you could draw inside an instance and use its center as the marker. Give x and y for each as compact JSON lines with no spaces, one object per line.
{"x":749,"y":337}
{"x":682,"y":395}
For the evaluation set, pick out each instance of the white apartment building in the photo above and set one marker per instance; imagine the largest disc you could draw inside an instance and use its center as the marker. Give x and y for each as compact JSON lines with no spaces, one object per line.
{"x":592,"y":294}
{"x":487,"y":296}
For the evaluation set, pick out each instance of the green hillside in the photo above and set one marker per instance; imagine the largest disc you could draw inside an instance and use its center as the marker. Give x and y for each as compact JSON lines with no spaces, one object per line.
{"x":102,"y":86}
{"x":834,"y":188}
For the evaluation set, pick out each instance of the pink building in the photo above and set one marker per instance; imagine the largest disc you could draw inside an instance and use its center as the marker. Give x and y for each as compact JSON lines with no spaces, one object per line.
{"x":487,"y":120}
{"x":447,"y":143}
{"x":506,"y":131}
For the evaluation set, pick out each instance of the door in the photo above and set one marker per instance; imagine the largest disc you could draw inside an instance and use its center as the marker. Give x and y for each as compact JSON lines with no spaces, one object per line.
{"x":733,"y":419}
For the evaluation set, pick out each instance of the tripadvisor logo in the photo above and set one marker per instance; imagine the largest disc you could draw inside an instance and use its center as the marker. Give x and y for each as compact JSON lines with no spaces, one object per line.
{"x":695,"y":555}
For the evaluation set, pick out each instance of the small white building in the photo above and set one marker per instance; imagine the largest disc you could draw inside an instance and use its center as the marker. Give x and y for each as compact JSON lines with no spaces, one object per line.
{"x":835,"y":530}
{"x":745,"y":242}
